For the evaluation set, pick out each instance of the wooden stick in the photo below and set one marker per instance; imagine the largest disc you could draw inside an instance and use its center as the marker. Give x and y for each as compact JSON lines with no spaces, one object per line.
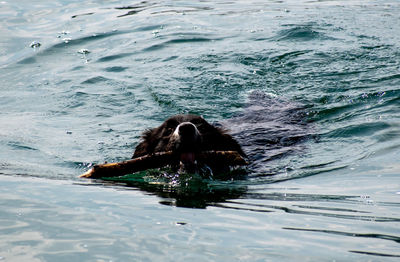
{"x":232,"y":158}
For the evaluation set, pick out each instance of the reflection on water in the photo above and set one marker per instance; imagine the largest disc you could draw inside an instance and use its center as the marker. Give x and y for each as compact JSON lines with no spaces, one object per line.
{"x":185,"y":190}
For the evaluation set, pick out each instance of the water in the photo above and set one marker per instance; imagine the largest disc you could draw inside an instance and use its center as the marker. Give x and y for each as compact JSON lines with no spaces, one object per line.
{"x":309,"y":88}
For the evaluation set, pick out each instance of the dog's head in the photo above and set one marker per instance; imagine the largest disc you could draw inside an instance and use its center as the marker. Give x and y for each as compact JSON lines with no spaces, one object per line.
{"x":186,"y":135}
{"x":179,"y":134}
{"x":184,"y":139}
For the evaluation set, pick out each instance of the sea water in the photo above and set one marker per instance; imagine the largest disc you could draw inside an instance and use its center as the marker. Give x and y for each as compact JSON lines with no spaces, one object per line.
{"x":310,"y":89}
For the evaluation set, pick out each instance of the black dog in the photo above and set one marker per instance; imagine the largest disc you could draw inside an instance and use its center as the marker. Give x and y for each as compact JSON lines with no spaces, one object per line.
{"x":186,"y":135}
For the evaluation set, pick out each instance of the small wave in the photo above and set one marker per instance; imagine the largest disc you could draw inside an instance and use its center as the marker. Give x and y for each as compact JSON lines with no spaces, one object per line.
{"x":163,"y":100}
{"x":110,"y":58}
{"x":379,"y":254}
{"x":155,"y":8}
{"x":86,"y":39}
{"x":135,"y":9}
{"x":386,"y":78}
{"x":354,"y":214}
{"x":20,"y":146}
{"x":344,"y":107}
{"x":95,"y":80}
{"x":358,"y":130}
{"x":61,"y":47}
{"x":116,"y":69}
{"x":287,"y":56}
{"x":28,"y":60}
{"x":83,"y":14}
{"x":180,"y":40}
{"x":306,"y":32}
{"x":351,"y":234}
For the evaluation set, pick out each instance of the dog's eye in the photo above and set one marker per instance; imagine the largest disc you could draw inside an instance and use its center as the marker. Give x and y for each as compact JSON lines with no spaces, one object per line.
{"x":168,"y":131}
{"x":197,"y":121}
{"x":172,"y":122}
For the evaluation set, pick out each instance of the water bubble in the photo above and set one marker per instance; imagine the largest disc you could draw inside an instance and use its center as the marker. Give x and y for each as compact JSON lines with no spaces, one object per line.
{"x":67,"y":39}
{"x":84,"y":51}
{"x":35,"y":44}
{"x":367,"y":199}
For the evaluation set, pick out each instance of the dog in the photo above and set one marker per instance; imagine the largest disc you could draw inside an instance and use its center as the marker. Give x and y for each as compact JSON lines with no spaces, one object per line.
{"x":186,"y":136}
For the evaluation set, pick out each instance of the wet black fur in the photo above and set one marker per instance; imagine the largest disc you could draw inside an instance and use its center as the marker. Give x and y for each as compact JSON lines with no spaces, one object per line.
{"x":160,"y":139}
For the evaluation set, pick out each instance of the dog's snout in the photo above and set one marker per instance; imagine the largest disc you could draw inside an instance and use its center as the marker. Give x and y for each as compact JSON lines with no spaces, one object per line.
{"x":187,"y":129}
{"x":186,"y":137}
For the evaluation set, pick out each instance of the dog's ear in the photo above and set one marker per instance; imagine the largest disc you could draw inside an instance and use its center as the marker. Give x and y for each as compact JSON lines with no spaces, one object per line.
{"x":147,"y":145}
{"x":151,"y":138}
{"x":220,"y":139}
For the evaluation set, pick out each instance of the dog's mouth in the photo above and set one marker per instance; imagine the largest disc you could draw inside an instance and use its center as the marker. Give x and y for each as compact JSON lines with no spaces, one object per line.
{"x":188,"y":158}
{"x":186,"y":142}
{"x":188,"y":163}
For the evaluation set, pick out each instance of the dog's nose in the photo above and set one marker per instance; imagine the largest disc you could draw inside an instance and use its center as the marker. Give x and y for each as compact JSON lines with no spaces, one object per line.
{"x":187,"y":129}
{"x":186,"y":137}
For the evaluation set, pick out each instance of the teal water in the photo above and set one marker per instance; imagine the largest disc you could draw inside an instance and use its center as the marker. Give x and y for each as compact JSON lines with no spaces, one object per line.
{"x":309,"y":88}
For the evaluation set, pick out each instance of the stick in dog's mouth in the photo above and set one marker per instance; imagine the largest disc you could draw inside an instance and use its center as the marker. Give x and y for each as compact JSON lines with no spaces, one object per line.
{"x":157,"y":160}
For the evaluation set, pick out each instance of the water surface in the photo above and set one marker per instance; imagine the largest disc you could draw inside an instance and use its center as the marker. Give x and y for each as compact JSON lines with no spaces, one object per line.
{"x":309,"y":88}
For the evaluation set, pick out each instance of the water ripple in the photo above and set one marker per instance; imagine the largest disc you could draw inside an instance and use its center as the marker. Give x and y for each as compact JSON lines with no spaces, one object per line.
{"x":181,"y":40}
{"x":110,"y":58}
{"x":95,"y":80}
{"x":379,"y":254}
{"x":366,"y":235}
{"x":311,"y":91}
{"x":305,"y":32}
{"x":358,"y":130}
